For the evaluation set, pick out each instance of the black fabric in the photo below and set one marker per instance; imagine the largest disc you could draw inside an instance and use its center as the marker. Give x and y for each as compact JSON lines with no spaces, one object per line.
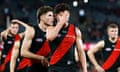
{"x":7,"y":67}
{"x":8,"y":43}
{"x":69,"y":56}
{"x":38,"y":67}
{"x":70,"y":68}
{"x":55,"y":43}
{"x":106,"y":52}
{"x":38,"y":40}
{"x":23,"y":70}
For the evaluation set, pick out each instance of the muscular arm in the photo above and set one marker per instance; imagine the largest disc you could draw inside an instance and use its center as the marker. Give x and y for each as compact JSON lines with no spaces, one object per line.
{"x":80,"y":49}
{"x":52,"y":32}
{"x":21,"y":34}
{"x":14,"y":56}
{"x":21,"y":23}
{"x":4,"y":34}
{"x":92,"y":51}
{"x":26,"y":45}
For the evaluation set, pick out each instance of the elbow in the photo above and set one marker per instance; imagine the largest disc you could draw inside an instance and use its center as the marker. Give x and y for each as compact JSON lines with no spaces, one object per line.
{"x":90,"y":53}
{"x":23,"y":53}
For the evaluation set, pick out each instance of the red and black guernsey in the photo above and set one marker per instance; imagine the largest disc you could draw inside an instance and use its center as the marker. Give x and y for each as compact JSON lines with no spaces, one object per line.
{"x":7,"y":51}
{"x":8,"y":43}
{"x":62,"y":48}
{"x":106,"y":53}
{"x":38,"y":46}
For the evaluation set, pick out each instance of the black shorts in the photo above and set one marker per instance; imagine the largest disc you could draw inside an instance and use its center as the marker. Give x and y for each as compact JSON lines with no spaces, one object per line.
{"x":38,"y":67}
{"x":23,"y":70}
{"x":70,"y":68}
{"x":7,"y":67}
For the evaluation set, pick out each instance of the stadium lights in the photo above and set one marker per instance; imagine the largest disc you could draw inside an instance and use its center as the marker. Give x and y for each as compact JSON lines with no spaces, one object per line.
{"x":81,"y":12}
{"x":85,"y":1}
{"x":75,"y":3}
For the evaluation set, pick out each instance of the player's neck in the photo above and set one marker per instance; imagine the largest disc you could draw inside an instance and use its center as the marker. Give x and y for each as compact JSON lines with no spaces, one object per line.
{"x":11,"y":35}
{"x":113,"y":40}
{"x":42,"y":26}
{"x":66,"y":25}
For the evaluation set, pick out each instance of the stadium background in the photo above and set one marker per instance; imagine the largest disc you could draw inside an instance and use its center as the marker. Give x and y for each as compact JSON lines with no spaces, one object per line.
{"x":91,"y":16}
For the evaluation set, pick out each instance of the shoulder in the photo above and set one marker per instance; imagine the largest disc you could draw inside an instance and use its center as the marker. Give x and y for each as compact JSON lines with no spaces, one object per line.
{"x":4,"y":34}
{"x":29,"y":32}
{"x":78,"y":32}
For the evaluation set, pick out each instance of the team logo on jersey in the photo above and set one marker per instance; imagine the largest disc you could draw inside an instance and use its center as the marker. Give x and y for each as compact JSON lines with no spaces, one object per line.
{"x":9,"y":42}
{"x":108,"y":49}
{"x":39,"y":40}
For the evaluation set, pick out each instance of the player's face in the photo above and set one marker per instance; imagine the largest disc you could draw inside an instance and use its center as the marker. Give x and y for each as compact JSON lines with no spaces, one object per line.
{"x":14,"y":29}
{"x":66,"y":13}
{"x":113,"y":32}
{"x":48,"y":18}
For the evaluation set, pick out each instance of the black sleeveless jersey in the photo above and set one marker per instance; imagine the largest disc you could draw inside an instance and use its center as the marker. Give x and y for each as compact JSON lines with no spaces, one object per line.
{"x":8,"y":43}
{"x":107,"y":50}
{"x":68,"y":58}
{"x":38,"y":39}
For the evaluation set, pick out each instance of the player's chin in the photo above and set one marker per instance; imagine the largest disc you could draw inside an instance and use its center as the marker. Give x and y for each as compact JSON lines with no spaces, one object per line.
{"x":50,"y":24}
{"x":14,"y":33}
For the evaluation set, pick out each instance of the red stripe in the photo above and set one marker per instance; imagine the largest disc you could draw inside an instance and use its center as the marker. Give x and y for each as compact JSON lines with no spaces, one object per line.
{"x":8,"y":57}
{"x":23,"y":63}
{"x":113,"y":57}
{"x":64,"y":46}
{"x":44,"y":50}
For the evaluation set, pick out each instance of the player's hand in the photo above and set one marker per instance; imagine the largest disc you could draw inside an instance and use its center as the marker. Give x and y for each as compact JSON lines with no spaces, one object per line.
{"x":62,"y":19}
{"x":15,"y":21}
{"x":44,"y":61}
{"x":99,"y":68}
{"x":118,"y":69}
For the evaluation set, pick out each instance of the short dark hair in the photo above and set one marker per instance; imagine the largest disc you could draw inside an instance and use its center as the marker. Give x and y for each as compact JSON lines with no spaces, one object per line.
{"x":42,"y":10}
{"x":61,"y":7}
{"x":112,"y":25}
{"x":13,"y":23}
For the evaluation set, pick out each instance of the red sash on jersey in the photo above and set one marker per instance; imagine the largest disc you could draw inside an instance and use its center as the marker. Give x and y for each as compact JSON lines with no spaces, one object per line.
{"x":64,"y":46}
{"x":8,"y":57}
{"x":113,"y":57}
{"x":44,"y":50}
{"x":23,"y":63}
